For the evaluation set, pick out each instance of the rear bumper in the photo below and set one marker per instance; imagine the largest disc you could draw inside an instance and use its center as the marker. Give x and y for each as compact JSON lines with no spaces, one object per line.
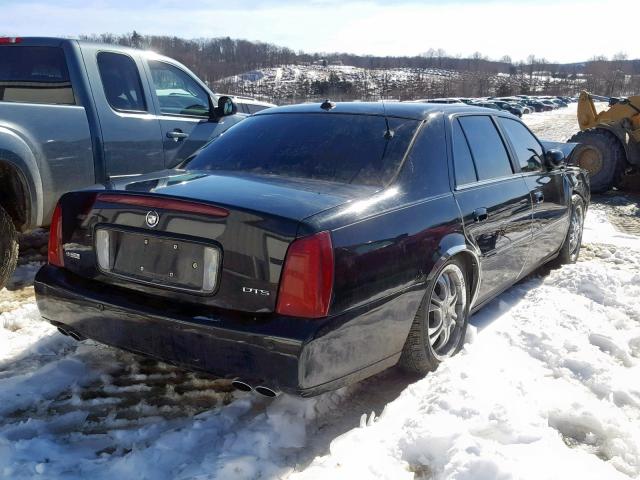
{"x":299,"y":356}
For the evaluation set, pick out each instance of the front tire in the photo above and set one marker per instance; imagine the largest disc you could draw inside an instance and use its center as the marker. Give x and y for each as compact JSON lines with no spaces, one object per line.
{"x":601,"y":154}
{"x":8,"y":247}
{"x":573,"y":241}
{"x":440,"y":325}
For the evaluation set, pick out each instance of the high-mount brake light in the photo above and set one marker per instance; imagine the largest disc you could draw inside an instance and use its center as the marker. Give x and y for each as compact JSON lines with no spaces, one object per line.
{"x":307,"y":277}
{"x":164,"y":203}
{"x":55,"y":238}
{"x":9,"y":40}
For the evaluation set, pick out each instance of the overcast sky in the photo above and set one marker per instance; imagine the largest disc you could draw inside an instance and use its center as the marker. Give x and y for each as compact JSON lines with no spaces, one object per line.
{"x":558,"y":30}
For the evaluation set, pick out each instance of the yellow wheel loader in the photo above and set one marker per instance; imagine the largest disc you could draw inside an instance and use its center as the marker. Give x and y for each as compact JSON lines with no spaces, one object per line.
{"x":609,"y":141}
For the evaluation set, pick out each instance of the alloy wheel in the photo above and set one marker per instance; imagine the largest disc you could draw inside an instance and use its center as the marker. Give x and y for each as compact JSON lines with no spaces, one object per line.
{"x":575,"y":229}
{"x":447,"y":308}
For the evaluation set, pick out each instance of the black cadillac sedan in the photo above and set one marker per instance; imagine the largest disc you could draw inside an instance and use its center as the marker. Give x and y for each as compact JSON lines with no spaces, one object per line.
{"x":312,"y":246}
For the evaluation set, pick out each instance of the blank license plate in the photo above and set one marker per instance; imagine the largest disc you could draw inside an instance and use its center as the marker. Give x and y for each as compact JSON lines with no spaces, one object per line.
{"x":158,"y":260}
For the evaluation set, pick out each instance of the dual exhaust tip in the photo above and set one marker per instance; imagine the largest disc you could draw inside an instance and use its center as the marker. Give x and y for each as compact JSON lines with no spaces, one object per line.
{"x":71,"y":333}
{"x":246,"y":386}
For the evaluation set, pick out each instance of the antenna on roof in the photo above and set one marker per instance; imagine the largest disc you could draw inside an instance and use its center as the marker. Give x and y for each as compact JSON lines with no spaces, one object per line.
{"x":327,"y":105}
{"x":388,"y":135}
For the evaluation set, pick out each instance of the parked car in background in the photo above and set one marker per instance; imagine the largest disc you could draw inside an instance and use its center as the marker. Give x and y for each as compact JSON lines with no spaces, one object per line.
{"x":73,"y":114}
{"x":509,"y":107}
{"x":312,"y":246}
{"x":486,"y":104}
{"x":538,"y":106}
{"x":517,"y":102}
{"x":549,"y":103}
{"x":441,"y":100}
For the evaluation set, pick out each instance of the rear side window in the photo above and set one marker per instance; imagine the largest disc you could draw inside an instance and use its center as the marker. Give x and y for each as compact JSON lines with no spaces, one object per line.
{"x":527,"y":149}
{"x":121,"y":82}
{"x":462,"y":160}
{"x":489,"y":153}
{"x":425,"y":168}
{"x":34,"y":75}
{"x":336,"y":147}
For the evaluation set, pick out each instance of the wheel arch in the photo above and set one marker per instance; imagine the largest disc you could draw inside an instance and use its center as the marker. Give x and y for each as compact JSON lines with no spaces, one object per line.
{"x":471,"y":261}
{"x":20,"y":181}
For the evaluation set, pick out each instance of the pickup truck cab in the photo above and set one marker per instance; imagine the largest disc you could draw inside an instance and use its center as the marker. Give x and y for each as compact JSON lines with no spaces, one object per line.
{"x":74,"y":114}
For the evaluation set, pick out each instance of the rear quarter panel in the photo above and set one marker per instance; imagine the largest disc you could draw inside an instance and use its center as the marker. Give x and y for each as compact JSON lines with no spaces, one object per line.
{"x":382,"y":265}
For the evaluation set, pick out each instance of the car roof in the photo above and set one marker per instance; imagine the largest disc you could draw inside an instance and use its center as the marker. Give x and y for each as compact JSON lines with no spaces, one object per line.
{"x":417,"y":111}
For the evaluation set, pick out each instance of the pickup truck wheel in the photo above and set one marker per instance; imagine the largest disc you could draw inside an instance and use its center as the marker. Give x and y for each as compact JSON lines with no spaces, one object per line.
{"x":440,"y":324}
{"x":601,"y":154}
{"x":573,"y":241}
{"x":8,"y":247}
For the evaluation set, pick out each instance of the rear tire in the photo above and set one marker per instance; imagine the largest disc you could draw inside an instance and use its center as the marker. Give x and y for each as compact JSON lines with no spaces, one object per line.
{"x":573,"y":241}
{"x":602,"y":155}
{"x":440,"y":325}
{"x":8,"y":247}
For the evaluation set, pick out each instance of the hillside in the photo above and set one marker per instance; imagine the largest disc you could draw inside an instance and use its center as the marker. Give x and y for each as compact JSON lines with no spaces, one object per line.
{"x":295,"y":83}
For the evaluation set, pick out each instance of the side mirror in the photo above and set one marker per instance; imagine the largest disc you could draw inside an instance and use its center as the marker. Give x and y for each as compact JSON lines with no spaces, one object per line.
{"x":226,"y":107}
{"x":554,"y":159}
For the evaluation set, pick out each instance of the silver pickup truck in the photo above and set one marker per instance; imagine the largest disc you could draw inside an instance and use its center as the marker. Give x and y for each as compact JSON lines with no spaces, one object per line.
{"x":75,"y":114}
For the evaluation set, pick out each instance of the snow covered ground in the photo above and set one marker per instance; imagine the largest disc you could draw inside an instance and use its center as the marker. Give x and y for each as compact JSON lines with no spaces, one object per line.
{"x":547,"y":387}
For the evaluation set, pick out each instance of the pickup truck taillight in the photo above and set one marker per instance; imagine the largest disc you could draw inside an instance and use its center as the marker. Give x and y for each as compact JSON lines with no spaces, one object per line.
{"x":55,"y":238}
{"x":307,"y":277}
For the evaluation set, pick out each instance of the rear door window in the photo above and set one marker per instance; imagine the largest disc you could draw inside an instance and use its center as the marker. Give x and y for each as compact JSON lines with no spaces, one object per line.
{"x":463,"y":162}
{"x":121,"y":82}
{"x":488,"y":150}
{"x":526,"y":147}
{"x":35,"y":75}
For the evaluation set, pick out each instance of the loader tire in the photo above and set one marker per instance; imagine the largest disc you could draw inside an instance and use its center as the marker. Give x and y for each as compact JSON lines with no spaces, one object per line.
{"x":602,"y":155}
{"x":8,"y":247}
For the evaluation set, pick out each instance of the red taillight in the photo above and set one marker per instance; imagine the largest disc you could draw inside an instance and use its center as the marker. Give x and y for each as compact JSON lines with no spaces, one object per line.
{"x":7,"y":40}
{"x":164,"y":203}
{"x":307,"y":277}
{"x":55,"y":238}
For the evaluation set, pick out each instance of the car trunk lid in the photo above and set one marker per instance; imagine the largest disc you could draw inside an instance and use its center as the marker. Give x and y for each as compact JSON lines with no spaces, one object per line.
{"x":213,"y":239}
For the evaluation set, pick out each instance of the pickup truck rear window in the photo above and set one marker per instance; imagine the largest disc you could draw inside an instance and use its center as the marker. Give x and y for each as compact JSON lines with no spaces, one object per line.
{"x":336,"y":147}
{"x":34,"y":75}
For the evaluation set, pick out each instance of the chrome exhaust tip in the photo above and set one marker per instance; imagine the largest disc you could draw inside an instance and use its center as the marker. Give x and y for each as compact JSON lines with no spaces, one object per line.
{"x":75,"y":335}
{"x":63,"y":331}
{"x":241,"y":385}
{"x":266,"y":391}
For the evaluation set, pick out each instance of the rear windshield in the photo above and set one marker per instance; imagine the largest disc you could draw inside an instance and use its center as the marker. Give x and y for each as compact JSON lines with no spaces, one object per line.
{"x":336,"y":147}
{"x":34,"y":75}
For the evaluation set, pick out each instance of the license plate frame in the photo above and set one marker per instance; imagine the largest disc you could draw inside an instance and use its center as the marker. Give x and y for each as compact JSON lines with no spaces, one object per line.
{"x":158,"y":259}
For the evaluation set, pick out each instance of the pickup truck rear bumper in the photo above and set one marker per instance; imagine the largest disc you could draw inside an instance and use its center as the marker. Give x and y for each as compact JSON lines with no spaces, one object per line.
{"x":298,"y":356}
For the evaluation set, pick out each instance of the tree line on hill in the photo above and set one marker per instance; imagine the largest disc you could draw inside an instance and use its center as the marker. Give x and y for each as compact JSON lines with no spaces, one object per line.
{"x":218,"y":60}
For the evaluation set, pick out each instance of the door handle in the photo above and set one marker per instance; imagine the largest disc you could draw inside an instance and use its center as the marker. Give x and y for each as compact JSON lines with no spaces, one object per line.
{"x":177,"y":135}
{"x":480,"y":214}
{"x":538,"y":197}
